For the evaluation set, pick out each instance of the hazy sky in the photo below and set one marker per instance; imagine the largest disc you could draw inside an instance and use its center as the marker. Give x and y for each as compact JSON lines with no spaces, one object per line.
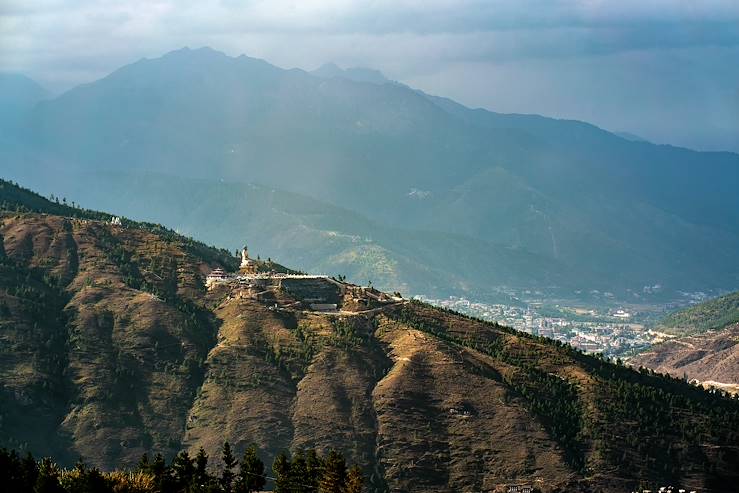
{"x":667,"y":70}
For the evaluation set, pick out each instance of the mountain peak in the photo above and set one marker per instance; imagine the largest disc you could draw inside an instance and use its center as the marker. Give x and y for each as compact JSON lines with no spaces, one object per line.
{"x":357,"y":74}
{"x":18,"y":92}
{"x":203,"y":51}
{"x":329,"y":69}
{"x":185,"y":63}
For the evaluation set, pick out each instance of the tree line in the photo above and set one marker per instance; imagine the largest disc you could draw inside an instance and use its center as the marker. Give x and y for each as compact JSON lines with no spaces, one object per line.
{"x":16,"y":199}
{"x":301,"y":472}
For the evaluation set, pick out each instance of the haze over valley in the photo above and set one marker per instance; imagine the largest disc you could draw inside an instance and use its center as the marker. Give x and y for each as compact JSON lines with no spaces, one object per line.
{"x":343,"y":173}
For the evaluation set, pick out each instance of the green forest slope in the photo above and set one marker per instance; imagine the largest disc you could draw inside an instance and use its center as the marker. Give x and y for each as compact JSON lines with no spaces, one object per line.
{"x":713,"y":314}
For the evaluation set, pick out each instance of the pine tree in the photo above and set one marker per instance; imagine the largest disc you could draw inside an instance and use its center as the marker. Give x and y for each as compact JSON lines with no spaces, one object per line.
{"x":201,"y":478}
{"x":251,"y":472}
{"x":144,"y":464}
{"x":281,"y":470}
{"x":299,"y":474}
{"x":183,"y":469}
{"x":354,"y":480}
{"x":229,"y":462}
{"x":29,"y":471}
{"x":334,"y":474}
{"x":314,"y":469}
{"x":17,"y":474}
{"x":158,"y":468}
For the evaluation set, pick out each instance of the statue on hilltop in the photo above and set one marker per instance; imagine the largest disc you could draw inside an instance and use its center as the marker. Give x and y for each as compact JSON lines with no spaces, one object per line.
{"x":248,"y":266}
{"x":245,"y":260}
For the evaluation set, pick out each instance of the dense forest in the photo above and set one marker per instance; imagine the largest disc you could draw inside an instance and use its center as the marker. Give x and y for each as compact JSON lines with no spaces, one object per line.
{"x":303,"y":472}
{"x":712,"y":314}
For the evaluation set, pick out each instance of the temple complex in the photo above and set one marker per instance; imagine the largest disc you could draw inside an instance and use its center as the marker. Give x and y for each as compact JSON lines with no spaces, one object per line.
{"x":295,"y":291}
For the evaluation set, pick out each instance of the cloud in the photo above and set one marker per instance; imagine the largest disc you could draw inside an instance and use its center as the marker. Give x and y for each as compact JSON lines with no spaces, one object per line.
{"x":472,"y":50}
{"x":32,"y":33}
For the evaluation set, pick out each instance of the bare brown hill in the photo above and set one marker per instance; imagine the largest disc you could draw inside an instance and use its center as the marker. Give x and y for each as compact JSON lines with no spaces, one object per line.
{"x":711,"y":358}
{"x":110,"y":346}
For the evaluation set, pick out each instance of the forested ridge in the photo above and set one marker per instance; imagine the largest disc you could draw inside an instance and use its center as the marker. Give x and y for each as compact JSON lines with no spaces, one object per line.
{"x":111,"y":348}
{"x":14,"y":198}
{"x":713,"y":314}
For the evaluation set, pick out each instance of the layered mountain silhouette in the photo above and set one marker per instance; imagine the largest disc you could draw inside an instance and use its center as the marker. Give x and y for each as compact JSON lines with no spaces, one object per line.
{"x":607,"y":212}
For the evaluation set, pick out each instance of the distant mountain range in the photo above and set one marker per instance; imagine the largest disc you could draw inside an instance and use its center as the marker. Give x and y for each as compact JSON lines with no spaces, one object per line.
{"x":315,"y":235}
{"x":409,"y":190}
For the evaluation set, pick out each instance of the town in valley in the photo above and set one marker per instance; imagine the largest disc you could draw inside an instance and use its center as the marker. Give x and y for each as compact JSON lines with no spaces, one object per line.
{"x":610,"y":328}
